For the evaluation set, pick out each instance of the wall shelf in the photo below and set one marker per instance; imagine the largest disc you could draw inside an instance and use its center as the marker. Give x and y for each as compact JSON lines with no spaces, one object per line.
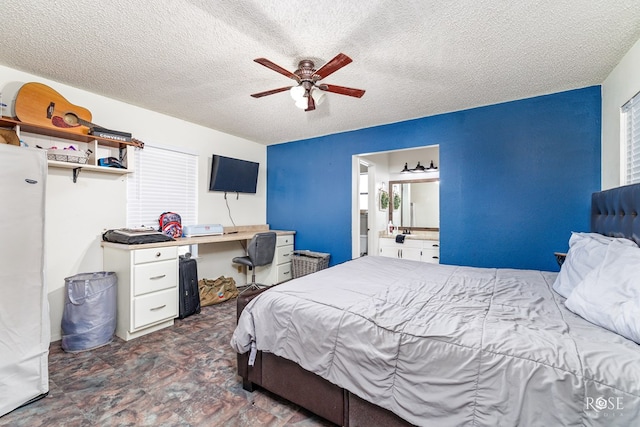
{"x":60,"y":133}
{"x":93,"y":143}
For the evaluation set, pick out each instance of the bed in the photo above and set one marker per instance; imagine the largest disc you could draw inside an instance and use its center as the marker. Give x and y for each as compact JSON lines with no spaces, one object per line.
{"x":384,"y":342}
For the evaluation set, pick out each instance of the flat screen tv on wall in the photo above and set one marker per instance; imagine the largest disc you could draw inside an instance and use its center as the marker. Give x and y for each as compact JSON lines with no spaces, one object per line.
{"x":233,"y":175}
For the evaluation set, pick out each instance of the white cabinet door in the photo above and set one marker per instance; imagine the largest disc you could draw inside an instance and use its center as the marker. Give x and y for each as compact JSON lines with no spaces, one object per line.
{"x":414,"y":254}
{"x":431,"y":252}
{"x":410,"y":249}
{"x":413,"y":249}
{"x":390,"y":251}
{"x":25,"y":331}
{"x":400,"y":251}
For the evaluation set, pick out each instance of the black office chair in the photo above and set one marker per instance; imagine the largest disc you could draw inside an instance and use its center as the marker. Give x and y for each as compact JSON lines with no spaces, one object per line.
{"x":260,"y":251}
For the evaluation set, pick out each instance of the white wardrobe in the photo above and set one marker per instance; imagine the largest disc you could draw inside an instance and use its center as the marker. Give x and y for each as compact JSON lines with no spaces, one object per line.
{"x":24,"y":310}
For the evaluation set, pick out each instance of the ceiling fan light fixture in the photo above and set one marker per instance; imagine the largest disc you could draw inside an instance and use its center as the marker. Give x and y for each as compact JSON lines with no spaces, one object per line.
{"x":297,"y":92}
{"x":318,"y":96}
{"x":306,"y":77}
{"x":302,"y":103}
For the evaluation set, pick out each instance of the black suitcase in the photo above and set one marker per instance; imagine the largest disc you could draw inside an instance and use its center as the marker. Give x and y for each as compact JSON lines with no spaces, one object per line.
{"x":189,"y":298}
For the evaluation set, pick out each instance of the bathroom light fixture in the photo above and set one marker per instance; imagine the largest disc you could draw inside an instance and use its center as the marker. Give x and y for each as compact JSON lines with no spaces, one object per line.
{"x":419,"y":168}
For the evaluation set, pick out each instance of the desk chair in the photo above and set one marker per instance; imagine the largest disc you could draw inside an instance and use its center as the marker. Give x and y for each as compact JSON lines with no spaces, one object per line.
{"x":260,"y":251}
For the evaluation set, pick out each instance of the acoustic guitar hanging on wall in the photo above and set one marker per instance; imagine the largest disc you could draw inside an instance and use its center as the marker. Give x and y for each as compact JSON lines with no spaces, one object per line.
{"x":38,"y":104}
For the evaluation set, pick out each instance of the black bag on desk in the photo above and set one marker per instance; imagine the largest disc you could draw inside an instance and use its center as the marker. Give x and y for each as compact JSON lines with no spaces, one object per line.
{"x":189,"y":298}
{"x":131,"y":237}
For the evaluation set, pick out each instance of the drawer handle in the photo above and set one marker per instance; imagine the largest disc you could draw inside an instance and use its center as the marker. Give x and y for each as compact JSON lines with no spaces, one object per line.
{"x":286,"y":272}
{"x":157,"y":277}
{"x":435,"y":245}
{"x":158,"y":308}
{"x":158,"y":254}
{"x":435,"y":257}
{"x":286,"y":254}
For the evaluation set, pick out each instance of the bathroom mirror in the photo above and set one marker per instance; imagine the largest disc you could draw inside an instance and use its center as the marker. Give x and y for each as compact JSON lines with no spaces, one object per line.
{"x":415,"y":204}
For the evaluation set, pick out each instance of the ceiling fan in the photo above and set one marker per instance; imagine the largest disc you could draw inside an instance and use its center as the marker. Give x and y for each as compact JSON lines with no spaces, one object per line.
{"x":307,"y":93}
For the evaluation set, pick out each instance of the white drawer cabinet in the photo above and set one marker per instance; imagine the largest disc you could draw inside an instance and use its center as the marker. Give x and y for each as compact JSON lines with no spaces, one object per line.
{"x":153,"y":308}
{"x":413,"y":249}
{"x":431,"y":251}
{"x":280,"y":269}
{"x":153,"y":276}
{"x":147,"y":288}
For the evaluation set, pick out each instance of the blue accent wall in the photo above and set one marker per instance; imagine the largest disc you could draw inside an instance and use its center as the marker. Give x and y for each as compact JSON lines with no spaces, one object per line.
{"x":515,"y":179}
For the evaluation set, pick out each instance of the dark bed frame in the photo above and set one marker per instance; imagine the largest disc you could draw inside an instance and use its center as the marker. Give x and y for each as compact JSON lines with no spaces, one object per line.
{"x":614,"y":213}
{"x":288,"y":380}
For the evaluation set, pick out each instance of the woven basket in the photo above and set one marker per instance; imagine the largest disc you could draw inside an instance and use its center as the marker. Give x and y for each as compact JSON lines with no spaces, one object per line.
{"x":307,"y":262}
{"x":69,"y":156}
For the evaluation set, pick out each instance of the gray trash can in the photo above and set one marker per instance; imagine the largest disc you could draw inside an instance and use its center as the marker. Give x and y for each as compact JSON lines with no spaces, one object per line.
{"x":89,"y":316}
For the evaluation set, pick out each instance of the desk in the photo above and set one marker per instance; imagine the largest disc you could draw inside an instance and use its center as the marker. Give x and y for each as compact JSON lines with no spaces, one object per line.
{"x":148,"y":276}
{"x":231,"y":234}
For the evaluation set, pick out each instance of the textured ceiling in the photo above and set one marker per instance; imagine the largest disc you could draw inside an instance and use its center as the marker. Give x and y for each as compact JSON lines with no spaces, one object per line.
{"x":193,"y":59}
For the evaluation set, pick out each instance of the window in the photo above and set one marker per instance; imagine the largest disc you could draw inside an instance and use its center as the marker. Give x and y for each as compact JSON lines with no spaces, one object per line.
{"x":165,"y":180}
{"x":631,"y":136}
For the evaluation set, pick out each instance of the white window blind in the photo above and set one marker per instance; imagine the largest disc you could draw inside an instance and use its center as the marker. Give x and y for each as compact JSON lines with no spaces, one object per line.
{"x":631,"y":135}
{"x":165,"y":180}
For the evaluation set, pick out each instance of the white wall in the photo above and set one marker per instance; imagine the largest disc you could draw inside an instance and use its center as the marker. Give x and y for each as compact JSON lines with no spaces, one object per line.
{"x":620,"y":86}
{"x":76,"y":214}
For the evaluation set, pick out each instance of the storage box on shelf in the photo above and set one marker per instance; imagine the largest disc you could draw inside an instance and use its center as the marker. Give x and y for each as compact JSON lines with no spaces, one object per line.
{"x":89,"y":148}
{"x":69,"y":156}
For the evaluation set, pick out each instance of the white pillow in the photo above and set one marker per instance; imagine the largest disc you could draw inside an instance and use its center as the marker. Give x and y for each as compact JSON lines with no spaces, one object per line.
{"x":586,"y":252}
{"x":609,"y":295}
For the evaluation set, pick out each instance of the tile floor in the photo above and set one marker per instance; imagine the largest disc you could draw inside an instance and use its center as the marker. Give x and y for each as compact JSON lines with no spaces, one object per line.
{"x":184,"y":375}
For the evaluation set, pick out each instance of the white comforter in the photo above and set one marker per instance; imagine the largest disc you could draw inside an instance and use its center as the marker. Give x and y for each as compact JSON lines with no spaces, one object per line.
{"x":445,"y":345}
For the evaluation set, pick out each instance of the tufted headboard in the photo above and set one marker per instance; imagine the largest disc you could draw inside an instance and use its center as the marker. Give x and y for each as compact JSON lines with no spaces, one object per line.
{"x":614,"y":212}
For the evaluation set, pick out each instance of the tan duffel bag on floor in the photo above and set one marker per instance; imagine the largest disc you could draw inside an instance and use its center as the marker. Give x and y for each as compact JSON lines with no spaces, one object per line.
{"x":214,"y":291}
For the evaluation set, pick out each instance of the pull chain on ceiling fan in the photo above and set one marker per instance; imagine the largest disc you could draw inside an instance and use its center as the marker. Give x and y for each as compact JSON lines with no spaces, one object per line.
{"x":306,"y":92}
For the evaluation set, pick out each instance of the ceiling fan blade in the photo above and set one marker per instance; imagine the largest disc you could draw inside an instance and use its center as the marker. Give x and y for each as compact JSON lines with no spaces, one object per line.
{"x":332,"y":66}
{"x":342,"y":90}
{"x":270,"y":92}
{"x":277,"y":68}
{"x":311,"y":105}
